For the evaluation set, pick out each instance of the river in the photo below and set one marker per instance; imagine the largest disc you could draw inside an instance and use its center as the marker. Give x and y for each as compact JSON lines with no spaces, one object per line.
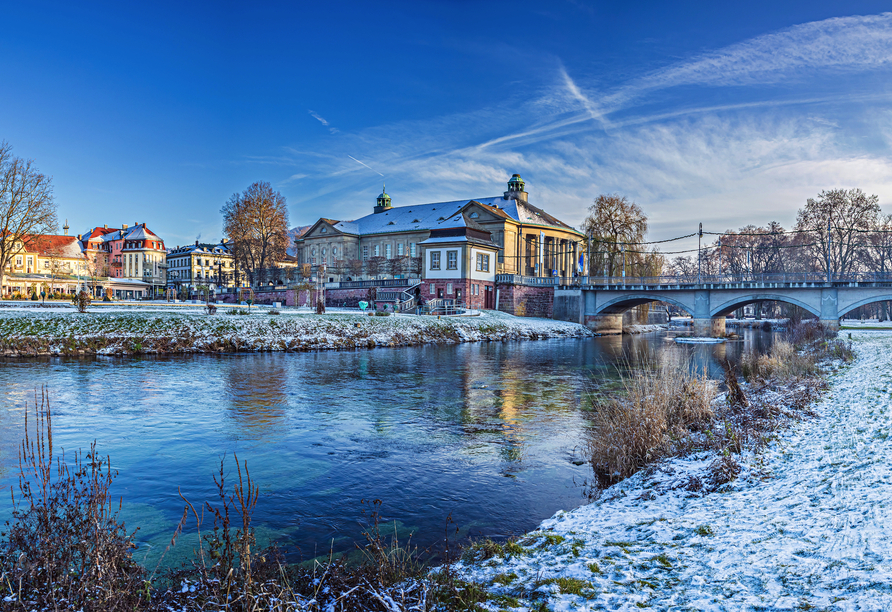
{"x":488,"y":434}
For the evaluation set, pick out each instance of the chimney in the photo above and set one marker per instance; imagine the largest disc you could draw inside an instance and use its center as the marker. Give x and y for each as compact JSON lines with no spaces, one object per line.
{"x":105,"y":226}
{"x":196,"y":243}
{"x":124,"y":226}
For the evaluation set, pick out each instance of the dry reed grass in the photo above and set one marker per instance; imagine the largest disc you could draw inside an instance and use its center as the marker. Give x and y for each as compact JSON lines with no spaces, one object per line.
{"x":658,"y":406}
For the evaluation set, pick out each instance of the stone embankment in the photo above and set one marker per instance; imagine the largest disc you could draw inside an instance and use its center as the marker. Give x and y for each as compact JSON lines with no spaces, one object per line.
{"x":124,"y":331}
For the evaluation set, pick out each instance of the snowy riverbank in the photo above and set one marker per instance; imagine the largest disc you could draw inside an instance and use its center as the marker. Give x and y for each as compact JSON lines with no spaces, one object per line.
{"x":155,"y":329}
{"x":806,"y":525}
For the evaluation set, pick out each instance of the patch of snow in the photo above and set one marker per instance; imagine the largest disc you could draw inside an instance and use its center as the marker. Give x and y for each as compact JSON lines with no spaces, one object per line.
{"x":808,"y":523}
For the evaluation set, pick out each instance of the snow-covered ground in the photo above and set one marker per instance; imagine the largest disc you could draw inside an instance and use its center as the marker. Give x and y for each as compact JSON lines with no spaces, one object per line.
{"x":644,"y":328}
{"x":117,"y":329}
{"x":807,"y":525}
{"x":864,"y":323}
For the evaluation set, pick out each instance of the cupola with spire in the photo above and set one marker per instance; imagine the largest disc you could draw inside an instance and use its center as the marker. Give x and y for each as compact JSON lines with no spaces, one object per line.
{"x":515,"y":189}
{"x":383,"y":202}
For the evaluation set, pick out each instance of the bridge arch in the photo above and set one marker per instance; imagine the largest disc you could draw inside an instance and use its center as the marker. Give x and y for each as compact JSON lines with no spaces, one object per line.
{"x":879,"y":298}
{"x":741,"y":301}
{"x":626,"y":301}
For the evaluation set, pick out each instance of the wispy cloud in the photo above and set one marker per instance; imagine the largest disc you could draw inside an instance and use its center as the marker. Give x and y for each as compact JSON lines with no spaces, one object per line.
{"x":323,"y":121}
{"x":366,"y":165}
{"x":844,"y":44}
{"x":685,"y":159}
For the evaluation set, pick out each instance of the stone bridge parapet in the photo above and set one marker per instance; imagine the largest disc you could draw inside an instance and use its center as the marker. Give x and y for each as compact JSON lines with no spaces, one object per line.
{"x":601,"y":307}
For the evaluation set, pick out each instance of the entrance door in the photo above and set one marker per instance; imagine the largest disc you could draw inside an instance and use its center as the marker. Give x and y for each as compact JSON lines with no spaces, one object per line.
{"x":487,"y":299}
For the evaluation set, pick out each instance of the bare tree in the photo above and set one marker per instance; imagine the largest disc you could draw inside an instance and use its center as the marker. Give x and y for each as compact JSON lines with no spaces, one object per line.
{"x":27,"y":207}
{"x":849,"y":215}
{"x":375,"y":265}
{"x":97,"y":268}
{"x":416,"y":266}
{"x":397,"y":265}
{"x":354,"y":268}
{"x":256,"y":220}
{"x":615,"y":225}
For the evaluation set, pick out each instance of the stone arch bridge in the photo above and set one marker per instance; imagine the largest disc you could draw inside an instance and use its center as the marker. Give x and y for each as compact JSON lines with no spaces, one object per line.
{"x":601,"y":306}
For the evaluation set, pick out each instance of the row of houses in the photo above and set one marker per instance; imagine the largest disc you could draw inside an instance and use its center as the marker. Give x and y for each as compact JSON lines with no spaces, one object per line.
{"x":454,"y":249}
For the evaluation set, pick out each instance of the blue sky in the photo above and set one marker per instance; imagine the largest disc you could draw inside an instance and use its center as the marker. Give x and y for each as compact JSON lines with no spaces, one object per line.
{"x":698,"y":111}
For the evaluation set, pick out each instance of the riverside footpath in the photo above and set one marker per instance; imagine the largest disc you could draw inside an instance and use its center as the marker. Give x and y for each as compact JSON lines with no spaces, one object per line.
{"x":806,"y":526}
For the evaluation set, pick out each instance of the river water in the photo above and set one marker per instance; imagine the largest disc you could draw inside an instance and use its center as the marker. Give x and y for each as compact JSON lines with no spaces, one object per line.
{"x":488,"y":434}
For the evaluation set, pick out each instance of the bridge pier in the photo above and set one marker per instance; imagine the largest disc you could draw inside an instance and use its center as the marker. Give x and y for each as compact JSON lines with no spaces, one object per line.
{"x":710,"y":327}
{"x":832,"y":324}
{"x":605,"y":323}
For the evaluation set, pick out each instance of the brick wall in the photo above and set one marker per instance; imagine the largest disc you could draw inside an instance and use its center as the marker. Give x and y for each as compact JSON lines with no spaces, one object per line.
{"x":465,"y":286}
{"x":264,"y":297}
{"x":526,"y":301}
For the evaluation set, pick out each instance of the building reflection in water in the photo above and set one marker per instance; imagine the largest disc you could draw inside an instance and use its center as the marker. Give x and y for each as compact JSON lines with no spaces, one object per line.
{"x":256,"y":397}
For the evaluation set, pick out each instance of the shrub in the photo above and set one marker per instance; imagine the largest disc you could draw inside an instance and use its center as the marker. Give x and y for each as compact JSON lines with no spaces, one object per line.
{"x":656,"y":403}
{"x":65,"y":547}
{"x":81,"y":300}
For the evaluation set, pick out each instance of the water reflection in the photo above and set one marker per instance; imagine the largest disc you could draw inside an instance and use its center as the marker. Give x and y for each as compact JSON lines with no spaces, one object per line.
{"x":484,"y":432}
{"x":256,"y":399}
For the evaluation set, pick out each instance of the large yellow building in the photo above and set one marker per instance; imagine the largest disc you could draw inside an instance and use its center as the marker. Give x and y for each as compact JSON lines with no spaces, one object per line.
{"x":531,"y":242}
{"x":48,"y":263}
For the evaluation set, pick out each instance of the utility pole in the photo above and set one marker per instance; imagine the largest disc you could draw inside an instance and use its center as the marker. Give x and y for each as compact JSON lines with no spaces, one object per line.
{"x":829,"y":249}
{"x":699,"y":253}
{"x":720,"y":259}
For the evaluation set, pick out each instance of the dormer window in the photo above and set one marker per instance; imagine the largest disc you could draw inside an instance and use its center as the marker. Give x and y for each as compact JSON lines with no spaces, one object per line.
{"x":415,"y":221}
{"x":391,"y":223}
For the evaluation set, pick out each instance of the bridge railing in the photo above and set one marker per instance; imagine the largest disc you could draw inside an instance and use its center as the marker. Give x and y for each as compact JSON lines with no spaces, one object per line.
{"x":677,"y":280}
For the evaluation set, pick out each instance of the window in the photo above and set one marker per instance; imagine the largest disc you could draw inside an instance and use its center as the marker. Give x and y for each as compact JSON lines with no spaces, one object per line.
{"x":323,"y":253}
{"x":365,"y":252}
{"x":451,"y":261}
{"x":435,"y":260}
{"x":433,"y":289}
{"x":475,"y":215}
{"x":449,"y":288}
{"x":46,"y":263}
{"x":482,"y":262}
{"x":412,"y":250}
{"x":18,"y":261}
{"x":324,"y":230}
{"x":388,"y":251}
{"x":377,"y":250}
{"x":399,"y":249}
{"x":334,"y":250}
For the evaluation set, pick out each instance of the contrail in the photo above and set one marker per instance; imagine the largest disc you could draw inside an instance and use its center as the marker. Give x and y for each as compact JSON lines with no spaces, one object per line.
{"x":362,"y":164}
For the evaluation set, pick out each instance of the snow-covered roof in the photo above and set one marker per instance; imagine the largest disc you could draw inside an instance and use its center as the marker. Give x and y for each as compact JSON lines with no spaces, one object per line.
{"x":220,"y":248}
{"x":424,"y":217}
{"x":454,"y":239}
{"x":140,"y":232}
